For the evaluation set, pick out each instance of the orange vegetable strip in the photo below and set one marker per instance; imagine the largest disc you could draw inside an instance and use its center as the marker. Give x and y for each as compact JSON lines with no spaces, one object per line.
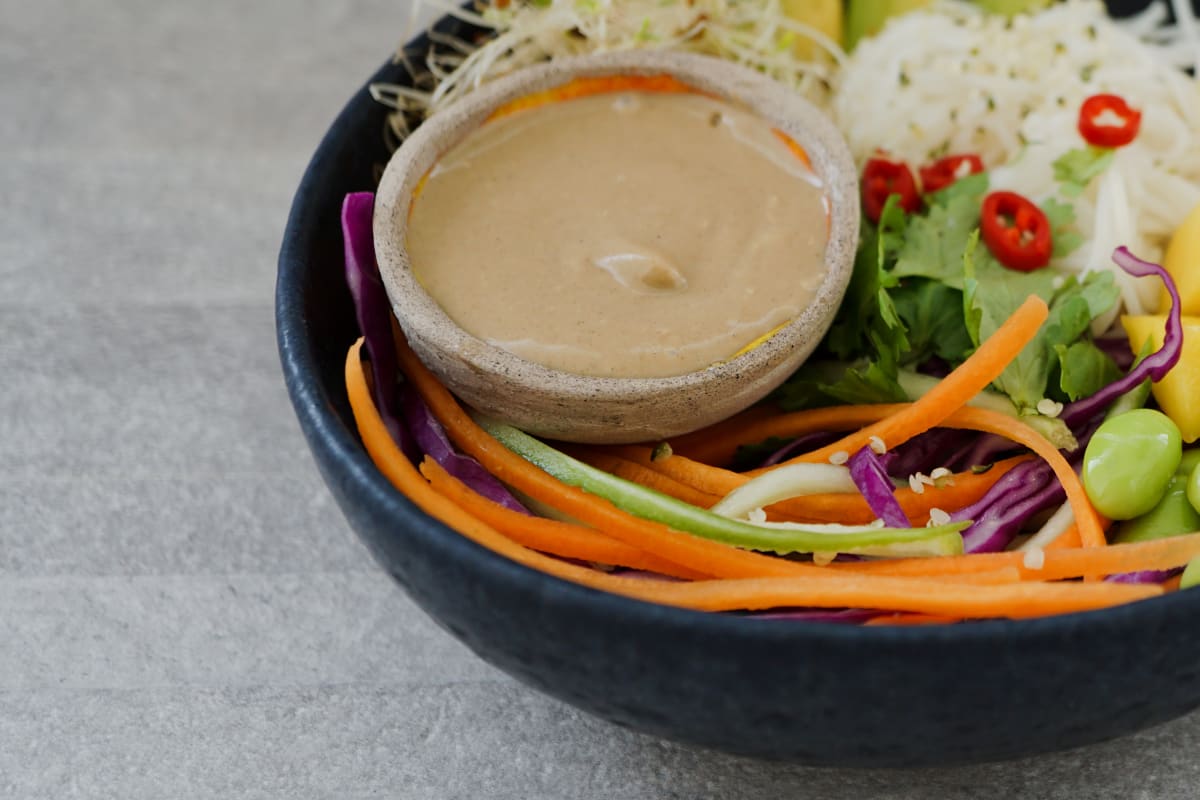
{"x":1015,"y":600}
{"x":694,"y":552}
{"x":585,"y":87}
{"x":639,"y":473}
{"x":548,"y":535}
{"x":829,"y":590}
{"x":903,"y":619}
{"x":1091,"y":533}
{"x":847,"y":508}
{"x":1058,"y":564}
{"x":718,"y":444}
{"x":952,"y":392}
{"x":1069,"y":538}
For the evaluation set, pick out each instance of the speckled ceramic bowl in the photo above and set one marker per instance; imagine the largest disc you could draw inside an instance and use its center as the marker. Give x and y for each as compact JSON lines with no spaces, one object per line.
{"x":580,"y":408}
{"x":807,"y":692}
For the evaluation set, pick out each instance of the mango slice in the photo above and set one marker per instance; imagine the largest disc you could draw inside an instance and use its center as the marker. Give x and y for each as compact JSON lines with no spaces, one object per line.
{"x":1178,"y":394}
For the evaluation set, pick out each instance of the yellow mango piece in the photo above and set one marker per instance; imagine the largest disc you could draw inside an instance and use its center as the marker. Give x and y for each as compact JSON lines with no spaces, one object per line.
{"x":824,"y":15}
{"x":1182,"y":261}
{"x":1178,"y":394}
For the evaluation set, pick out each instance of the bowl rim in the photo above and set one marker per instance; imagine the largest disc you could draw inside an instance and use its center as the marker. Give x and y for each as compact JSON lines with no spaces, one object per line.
{"x":326,"y":431}
{"x":787,"y":111}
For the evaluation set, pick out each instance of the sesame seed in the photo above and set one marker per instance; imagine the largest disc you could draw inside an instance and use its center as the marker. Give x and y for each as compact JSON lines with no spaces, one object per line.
{"x":914,"y":483}
{"x":840,"y":457}
{"x":938,"y":517}
{"x":877,"y":445}
{"x":1049,"y":408}
{"x":1035,"y":558}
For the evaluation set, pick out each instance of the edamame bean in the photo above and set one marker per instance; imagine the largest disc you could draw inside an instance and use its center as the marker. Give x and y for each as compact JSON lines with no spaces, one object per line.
{"x":1193,"y":489}
{"x":1191,"y":574}
{"x":1189,"y":462}
{"x":1129,"y":462}
{"x":1172,"y":516}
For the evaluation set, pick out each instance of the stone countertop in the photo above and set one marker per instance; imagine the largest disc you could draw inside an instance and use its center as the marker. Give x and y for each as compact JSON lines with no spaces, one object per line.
{"x":183,"y":611}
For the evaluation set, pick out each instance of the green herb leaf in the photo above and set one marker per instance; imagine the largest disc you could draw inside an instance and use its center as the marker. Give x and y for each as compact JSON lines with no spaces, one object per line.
{"x":1084,"y":369}
{"x":1064,"y":233}
{"x":1075,"y":169}
{"x":934,"y":244}
{"x":932,"y":313}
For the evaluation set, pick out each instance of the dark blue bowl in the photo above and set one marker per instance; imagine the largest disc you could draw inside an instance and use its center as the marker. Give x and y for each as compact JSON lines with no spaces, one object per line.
{"x":812,"y":693}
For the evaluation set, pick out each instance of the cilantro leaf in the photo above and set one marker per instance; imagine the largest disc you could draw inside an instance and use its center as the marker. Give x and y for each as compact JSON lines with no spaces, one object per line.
{"x":1075,"y":169}
{"x":1084,"y":369}
{"x":1065,"y":235}
{"x":932,"y":313}
{"x":934,"y":244}
{"x":867,"y":319}
{"x":994,"y":293}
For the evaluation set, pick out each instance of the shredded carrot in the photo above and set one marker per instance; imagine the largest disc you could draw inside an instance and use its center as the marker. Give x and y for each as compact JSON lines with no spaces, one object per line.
{"x":902,"y":619}
{"x":1069,"y":538}
{"x":1058,"y":564}
{"x":640,"y":473}
{"x":1091,"y":532}
{"x":815,"y":587}
{"x":718,"y":443}
{"x":703,"y":481}
{"x":693,"y":552}
{"x":547,"y":535}
{"x":585,"y":87}
{"x":952,"y":392}
{"x":1016,"y":600}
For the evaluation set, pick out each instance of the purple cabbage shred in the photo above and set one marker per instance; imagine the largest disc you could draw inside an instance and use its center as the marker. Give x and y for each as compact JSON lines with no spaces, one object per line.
{"x":1154,"y":366}
{"x":868,"y":473}
{"x":408,"y":419}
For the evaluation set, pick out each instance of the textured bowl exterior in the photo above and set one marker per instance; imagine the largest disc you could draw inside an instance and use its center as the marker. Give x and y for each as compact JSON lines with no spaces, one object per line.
{"x":591,"y":409}
{"x":810,"y":693}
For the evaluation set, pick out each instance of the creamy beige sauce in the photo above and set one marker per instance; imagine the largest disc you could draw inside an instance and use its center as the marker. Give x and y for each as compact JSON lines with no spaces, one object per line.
{"x":628,"y":234}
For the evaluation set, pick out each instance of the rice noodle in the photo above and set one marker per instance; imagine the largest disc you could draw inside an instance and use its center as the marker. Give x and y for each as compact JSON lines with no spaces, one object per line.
{"x":961,"y":81}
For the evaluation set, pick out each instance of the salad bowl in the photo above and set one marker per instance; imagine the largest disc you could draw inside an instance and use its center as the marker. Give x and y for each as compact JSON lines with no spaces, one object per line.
{"x":812,"y":693}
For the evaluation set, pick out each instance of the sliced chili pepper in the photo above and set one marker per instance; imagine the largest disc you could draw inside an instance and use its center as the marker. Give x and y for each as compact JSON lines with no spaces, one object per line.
{"x":1016,"y":231}
{"x":945,"y":171}
{"x":883,"y":178}
{"x":1106,"y":120}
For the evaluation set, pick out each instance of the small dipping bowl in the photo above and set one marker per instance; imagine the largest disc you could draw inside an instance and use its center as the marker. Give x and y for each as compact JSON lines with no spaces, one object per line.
{"x":561,"y":405}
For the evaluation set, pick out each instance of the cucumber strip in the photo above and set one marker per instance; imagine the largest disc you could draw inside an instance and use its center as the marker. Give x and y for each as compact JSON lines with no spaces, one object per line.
{"x":776,"y":538}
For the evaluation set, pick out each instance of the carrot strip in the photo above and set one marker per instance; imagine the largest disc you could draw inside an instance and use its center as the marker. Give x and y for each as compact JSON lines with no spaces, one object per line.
{"x":903,"y":619}
{"x":1069,"y":538}
{"x":547,"y":535}
{"x":585,"y":87}
{"x":961,"y":490}
{"x":1091,"y":532}
{"x":639,"y":473}
{"x":1016,"y":601}
{"x":718,"y":443}
{"x":1058,"y":564}
{"x":827,"y":590}
{"x":952,"y":392}
{"x":693,"y":552}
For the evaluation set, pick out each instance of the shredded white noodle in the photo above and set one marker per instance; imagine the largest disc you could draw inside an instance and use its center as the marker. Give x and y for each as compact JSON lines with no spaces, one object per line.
{"x":955,"y":80}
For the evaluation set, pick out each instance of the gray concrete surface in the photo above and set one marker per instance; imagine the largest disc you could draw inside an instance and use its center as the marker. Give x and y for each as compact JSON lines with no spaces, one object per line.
{"x":183,"y":612}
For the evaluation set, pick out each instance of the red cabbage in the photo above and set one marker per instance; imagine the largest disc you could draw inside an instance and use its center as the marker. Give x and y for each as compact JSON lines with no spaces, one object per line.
{"x":423,"y":433}
{"x":374,"y":312}
{"x":1154,"y":366}
{"x":1145,"y":576}
{"x":844,"y":616}
{"x":801,"y":444}
{"x":868,"y":474}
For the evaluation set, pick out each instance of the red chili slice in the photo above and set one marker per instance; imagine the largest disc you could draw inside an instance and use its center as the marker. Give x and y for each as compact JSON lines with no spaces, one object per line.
{"x":883,"y":178}
{"x":945,"y":171}
{"x":1016,"y":231}
{"x":1106,"y":120}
